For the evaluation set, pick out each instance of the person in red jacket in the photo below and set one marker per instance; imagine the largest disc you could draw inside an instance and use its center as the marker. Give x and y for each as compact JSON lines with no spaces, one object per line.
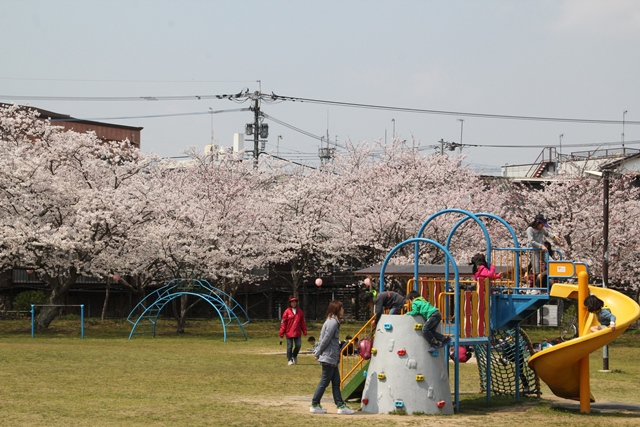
{"x":293,"y":326}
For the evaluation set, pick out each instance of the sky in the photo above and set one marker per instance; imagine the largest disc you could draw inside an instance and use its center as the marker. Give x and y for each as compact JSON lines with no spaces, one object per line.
{"x":504,"y":78}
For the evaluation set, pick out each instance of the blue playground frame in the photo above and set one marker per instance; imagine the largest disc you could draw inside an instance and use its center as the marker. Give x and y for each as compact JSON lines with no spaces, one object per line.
{"x":144,"y":315}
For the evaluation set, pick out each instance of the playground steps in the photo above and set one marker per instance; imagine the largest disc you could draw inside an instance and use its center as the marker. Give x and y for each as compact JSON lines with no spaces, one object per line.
{"x":510,"y":309}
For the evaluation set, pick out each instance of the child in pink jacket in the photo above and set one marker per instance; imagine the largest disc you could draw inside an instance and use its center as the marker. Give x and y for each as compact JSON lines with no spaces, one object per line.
{"x":481,"y":270}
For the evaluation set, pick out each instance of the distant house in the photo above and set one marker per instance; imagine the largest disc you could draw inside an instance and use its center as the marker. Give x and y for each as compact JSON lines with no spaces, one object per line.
{"x":104,"y":131}
{"x":551,"y":165}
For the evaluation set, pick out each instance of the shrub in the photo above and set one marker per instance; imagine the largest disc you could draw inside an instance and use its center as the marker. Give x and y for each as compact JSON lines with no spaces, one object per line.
{"x":24,"y":300}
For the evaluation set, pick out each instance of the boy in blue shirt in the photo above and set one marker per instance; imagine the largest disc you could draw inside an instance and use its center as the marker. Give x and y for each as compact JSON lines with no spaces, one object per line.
{"x":432,"y":319}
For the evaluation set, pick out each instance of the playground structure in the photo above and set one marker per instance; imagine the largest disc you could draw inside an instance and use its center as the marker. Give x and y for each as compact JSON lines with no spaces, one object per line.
{"x":401,"y":376}
{"x":33,"y":316}
{"x":487,"y":315}
{"x":565,"y":366}
{"x":144,"y":316}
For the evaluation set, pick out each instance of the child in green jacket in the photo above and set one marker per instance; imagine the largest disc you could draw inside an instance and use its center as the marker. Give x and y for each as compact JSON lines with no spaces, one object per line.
{"x":432,"y":320}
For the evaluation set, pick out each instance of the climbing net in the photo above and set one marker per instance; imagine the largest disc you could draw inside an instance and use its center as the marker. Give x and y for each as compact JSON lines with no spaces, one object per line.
{"x":503,"y":364}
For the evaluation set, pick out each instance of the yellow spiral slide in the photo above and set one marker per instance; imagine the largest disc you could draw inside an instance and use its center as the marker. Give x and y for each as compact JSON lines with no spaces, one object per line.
{"x":558,"y":366}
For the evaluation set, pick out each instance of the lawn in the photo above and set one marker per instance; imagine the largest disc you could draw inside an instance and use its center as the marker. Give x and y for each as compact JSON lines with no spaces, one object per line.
{"x":196,"y":379}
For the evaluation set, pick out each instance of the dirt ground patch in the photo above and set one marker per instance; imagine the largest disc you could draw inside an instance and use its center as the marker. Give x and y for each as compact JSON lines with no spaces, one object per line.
{"x":569,"y":411}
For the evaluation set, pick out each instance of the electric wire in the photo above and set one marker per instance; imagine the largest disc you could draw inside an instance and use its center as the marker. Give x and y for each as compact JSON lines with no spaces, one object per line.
{"x":154,"y":116}
{"x":244,"y":95}
{"x":453,"y":113}
{"x":126,"y":80}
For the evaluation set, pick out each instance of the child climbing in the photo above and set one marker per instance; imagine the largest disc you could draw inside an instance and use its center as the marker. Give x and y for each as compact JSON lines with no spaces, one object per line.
{"x":432,"y":320}
{"x":511,"y":353}
{"x":390,"y":300}
{"x":605,"y":317}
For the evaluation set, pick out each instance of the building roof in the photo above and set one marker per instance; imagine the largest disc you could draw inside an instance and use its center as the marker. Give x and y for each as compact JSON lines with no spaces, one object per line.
{"x":59,"y":117}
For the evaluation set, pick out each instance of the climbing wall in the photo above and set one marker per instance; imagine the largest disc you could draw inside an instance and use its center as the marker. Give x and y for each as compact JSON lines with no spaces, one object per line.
{"x":403,"y":376}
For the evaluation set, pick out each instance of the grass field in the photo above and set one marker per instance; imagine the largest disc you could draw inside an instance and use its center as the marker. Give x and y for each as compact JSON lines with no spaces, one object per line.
{"x":196,"y":379}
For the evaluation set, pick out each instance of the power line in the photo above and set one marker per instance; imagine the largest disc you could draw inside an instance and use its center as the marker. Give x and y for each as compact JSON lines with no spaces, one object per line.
{"x":588,"y":144}
{"x":320,"y":138}
{"x":273,"y":97}
{"x":126,"y":80}
{"x":244,"y":95}
{"x":239,"y":95}
{"x":154,"y":116}
{"x":309,"y":134}
{"x":450,"y":113}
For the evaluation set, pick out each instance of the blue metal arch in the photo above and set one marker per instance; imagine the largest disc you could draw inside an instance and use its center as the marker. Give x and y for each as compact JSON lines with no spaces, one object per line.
{"x":468,"y":215}
{"x":489,"y":246}
{"x":151,"y":306}
{"x":417,"y":241}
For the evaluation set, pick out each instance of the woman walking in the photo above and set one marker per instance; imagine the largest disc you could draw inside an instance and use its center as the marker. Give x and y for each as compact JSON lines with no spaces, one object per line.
{"x":328,"y":354}
{"x":293,"y":326}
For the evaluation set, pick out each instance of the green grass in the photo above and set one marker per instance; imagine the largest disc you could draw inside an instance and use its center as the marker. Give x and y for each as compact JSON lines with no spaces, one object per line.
{"x":196,"y":379}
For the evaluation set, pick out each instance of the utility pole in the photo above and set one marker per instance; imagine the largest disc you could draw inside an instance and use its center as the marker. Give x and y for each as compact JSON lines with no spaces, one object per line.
{"x":559,"y":155}
{"x":256,"y":127}
{"x":624,"y":113}
{"x":605,"y":250}
{"x":211,"y":112}
{"x":461,"y":128}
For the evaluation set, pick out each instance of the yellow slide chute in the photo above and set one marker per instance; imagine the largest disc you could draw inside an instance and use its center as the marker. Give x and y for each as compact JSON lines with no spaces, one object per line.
{"x":558,"y":366}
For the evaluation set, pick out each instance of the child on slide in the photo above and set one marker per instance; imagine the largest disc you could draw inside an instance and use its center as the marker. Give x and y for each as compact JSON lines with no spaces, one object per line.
{"x":605,"y":317}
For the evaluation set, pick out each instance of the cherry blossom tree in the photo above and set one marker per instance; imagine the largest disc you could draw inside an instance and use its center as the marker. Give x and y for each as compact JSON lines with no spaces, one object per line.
{"x":574,"y":208}
{"x":294,"y":224}
{"x":205,"y":224}
{"x":387,"y":192}
{"x":59,"y":201}
{"x":71,"y":204}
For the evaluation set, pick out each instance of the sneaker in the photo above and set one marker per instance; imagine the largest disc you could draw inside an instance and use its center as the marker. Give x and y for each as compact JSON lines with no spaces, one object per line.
{"x":295,"y":360}
{"x":345,"y":410}
{"x":290,"y":362}
{"x":431,"y":349}
{"x":444,"y":342}
{"x":317,"y":409}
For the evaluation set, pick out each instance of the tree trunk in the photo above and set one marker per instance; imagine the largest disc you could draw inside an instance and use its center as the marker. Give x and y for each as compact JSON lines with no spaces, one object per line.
{"x":137,"y":288}
{"x":181,"y":313}
{"x":296,"y":277}
{"x":106,"y":301}
{"x":59,"y":288}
